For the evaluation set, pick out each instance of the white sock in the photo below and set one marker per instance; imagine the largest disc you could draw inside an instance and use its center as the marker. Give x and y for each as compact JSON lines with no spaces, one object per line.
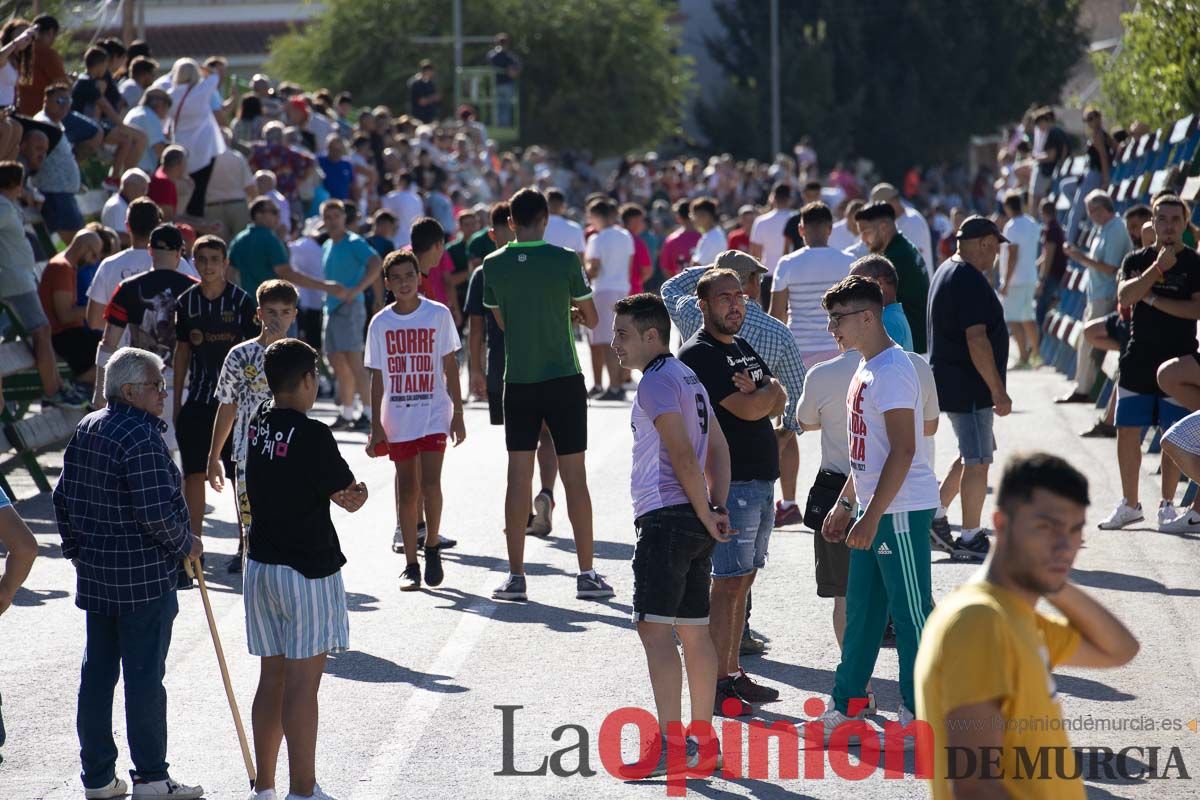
{"x":348,"y":412}
{"x":785,"y":504}
{"x":940,"y":513}
{"x":969,"y":534}
{"x":591,"y":573}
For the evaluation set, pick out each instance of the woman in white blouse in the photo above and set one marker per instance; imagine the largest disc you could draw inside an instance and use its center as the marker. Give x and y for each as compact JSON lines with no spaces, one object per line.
{"x":193,"y":97}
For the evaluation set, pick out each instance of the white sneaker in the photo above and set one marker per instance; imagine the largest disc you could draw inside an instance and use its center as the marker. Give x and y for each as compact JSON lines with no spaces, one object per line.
{"x":316,"y":795}
{"x":168,"y":788}
{"x":1167,"y":513}
{"x":118,"y":788}
{"x":832,"y":718}
{"x":1185,"y":523}
{"x":265,"y":794}
{"x":1124,"y":514}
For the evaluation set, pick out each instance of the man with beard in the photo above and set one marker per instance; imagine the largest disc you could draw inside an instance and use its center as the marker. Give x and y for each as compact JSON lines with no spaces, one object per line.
{"x":877,"y":226}
{"x":745,"y":396}
{"x":987,"y":653}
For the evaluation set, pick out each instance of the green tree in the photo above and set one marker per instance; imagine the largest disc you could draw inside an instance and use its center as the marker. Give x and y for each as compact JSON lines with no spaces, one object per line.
{"x":602,"y":75}
{"x":901,"y":82}
{"x":1153,"y":75}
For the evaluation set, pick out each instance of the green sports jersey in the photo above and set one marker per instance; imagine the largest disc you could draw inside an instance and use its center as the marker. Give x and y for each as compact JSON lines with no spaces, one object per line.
{"x":533,"y":284}
{"x":480,"y":245}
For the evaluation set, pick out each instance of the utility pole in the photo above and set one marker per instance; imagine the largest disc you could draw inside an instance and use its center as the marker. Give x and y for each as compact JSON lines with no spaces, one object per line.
{"x":776,"y":124}
{"x":458,"y":52}
{"x":127,"y":19}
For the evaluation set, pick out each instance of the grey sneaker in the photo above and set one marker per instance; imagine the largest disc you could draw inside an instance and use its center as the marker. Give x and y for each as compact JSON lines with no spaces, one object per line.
{"x":693,"y":753}
{"x":940,"y":537}
{"x":513,"y":588}
{"x":168,"y":788}
{"x":974,"y":550}
{"x":64,"y":398}
{"x":592,"y":587}
{"x":543,"y":514}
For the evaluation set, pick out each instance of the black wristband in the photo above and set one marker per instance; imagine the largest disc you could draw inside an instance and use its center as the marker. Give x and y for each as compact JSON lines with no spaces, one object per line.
{"x":716,"y":509}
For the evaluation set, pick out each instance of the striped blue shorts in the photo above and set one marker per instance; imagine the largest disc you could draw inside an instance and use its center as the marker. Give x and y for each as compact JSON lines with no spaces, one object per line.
{"x":293,"y":616}
{"x":1185,"y":434}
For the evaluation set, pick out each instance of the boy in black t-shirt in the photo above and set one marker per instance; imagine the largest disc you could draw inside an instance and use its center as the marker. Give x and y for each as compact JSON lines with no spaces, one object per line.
{"x":1161,"y":284}
{"x":293,"y":593}
{"x":209,"y":320}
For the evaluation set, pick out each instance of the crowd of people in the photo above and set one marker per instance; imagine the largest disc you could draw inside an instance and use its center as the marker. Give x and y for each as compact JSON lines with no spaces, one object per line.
{"x":257,"y":251}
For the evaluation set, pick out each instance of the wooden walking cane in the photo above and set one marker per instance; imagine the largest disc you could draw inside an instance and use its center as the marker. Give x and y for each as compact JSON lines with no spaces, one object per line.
{"x":198,"y":573}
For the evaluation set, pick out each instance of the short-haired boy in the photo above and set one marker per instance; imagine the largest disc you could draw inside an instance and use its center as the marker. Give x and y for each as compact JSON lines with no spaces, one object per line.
{"x":411,"y":347}
{"x":293,"y":594}
{"x":210,"y":319}
{"x":241,"y":386}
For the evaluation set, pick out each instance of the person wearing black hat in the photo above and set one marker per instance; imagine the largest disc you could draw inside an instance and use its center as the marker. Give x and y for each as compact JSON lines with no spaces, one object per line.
{"x":969,"y":354}
{"x":877,"y":226}
{"x":144,"y":304}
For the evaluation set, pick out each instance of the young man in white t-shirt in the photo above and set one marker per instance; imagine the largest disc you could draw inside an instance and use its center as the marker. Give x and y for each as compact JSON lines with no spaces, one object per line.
{"x":767,"y":242}
{"x":712,"y":238}
{"x":896,"y":489}
{"x":608,"y":259}
{"x":411,"y":347}
{"x":1018,"y":266}
{"x":801,"y":280}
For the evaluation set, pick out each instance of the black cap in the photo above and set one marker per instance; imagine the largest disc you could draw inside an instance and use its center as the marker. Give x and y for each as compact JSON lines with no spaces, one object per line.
{"x":166,"y":237}
{"x":976,"y":227}
{"x":877,"y":210}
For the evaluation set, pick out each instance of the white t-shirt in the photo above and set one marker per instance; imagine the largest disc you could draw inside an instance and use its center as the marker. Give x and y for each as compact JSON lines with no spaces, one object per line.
{"x":823,"y":402}
{"x":857,"y":250}
{"x":229,"y":179}
{"x":131,"y":91}
{"x":767,"y":233}
{"x":916,"y":230}
{"x":807,"y":274}
{"x":305,"y":255}
{"x":930,"y":408}
{"x":564,"y":233}
{"x":122,"y":265}
{"x":407,"y":207}
{"x":711,"y":245}
{"x":8,"y":84}
{"x":613,"y":248}
{"x":408,"y":350}
{"x":1025,"y":233}
{"x":113,"y":215}
{"x":840,"y":237}
{"x":887,"y":382}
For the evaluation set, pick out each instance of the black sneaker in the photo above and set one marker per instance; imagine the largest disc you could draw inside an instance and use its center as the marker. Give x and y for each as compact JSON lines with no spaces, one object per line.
{"x":513,"y":588}
{"x":613,"y":395}
{"x":444,"y":542}
{"x":1101,"y":430}
{"x":940,"y":537}
{"x":410,"y":580}
{"x":433,"y":566}
{"x":974,"y":550}
{"x":362,"y":424}
{"x":753,"y":692}
{"x":889,"y":635}
{"x":592,"y":587}
{"x":341,"y":424}
{"x":595,"y":392}
{"x":728,"y":703}
{"x":234,"y":567}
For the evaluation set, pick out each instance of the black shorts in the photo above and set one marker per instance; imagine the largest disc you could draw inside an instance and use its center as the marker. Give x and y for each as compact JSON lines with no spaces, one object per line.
{"x":833,"y":566}
{"x":77,"y":347}
{"x":308,"y":324}
{"x":1117,"y":329}
{"x":672,"y":566}
{"x":193,"y":432}
{"x":560,"y":403}
{"x":495,"y":391}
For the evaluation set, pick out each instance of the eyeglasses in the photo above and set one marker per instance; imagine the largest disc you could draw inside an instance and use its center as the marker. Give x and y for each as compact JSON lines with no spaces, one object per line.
{"x":61,"y":101}
{"x":159,"y":385}
{"x":836,"y":319}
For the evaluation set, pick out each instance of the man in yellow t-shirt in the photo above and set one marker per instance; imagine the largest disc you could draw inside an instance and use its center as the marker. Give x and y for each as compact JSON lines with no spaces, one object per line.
{"x":982,"y":673}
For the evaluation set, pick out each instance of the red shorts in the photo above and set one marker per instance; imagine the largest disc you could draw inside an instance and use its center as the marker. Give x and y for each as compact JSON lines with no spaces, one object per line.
{"x":403,"y":451}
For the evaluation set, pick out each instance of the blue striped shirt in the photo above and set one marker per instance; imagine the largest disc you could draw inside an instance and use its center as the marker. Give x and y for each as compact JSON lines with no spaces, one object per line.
{"x":120,"y":511}
{"x":769,"y":337}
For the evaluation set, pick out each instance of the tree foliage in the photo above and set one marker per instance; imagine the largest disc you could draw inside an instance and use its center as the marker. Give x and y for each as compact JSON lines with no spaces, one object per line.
{"x":602,"y":75}
{"x":1153,"y":75}
{"x":900,"y":81}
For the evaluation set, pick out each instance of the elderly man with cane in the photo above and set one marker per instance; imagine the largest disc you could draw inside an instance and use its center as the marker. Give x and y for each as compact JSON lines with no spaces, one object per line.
{"x":124,"y":524}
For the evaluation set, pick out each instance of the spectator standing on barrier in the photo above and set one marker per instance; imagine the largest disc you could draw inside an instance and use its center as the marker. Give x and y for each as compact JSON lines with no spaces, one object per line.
{"x":1162,"y":286}
{"x":969,"y":355}
{"x":124,"y":524}
{"x":1103,"y":260}
{"x":423,"y":96}
{"x":508,"y":69}
{"x":1100,"y":153}
{"x":1054,"y":150}
{"x":19,"y":289}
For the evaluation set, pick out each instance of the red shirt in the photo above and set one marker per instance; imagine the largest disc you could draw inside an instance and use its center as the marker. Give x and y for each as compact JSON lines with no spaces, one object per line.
{"x":676,"y":254}
{"x":739,"y":239}
{"x":162,"y":190}
{"x":638,"y":264}
{"x":59,"y":276}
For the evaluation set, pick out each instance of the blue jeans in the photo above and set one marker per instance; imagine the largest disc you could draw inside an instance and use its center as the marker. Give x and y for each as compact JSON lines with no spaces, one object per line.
{"x":1049,"y":297}
{"x":134,"y":644}
{"x":973,"y":429}
{"x":752,"y":515}
{"x":506,"y":93}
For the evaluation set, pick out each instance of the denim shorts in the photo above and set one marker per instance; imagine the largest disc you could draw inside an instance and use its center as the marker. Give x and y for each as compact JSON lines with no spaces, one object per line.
{"x":671,"y":567}
{"x":1136,"y":410}
{"x":973,"y":429}
{"x":752,"y":514}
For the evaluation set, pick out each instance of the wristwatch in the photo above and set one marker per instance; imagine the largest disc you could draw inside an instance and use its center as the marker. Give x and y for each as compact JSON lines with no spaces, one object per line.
{"x":846,"y":504}
{"x":718,"y":509}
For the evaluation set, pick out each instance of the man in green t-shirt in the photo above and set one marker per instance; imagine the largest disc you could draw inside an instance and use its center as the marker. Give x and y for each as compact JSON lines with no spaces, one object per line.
{"x":533,"y":289}
{"x":468,"y":225}
{"x":479,"y":246}
{"x":877,"y":226}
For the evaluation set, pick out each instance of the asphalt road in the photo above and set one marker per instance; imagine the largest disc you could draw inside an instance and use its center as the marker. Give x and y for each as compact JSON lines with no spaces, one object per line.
{"x":412,"y":709}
